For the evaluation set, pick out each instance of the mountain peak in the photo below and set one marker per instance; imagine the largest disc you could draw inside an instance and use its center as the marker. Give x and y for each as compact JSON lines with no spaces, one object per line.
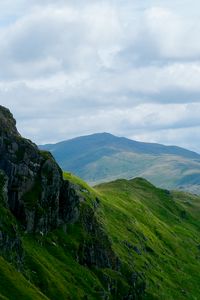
{"x":98,"y":135}
{"x":7,"y":122}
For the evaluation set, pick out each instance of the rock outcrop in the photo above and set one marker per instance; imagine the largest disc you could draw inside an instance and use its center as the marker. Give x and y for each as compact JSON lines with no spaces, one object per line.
{"x":34,"y":198}
{"x":10,"y":243}
{"x":35,"y":184}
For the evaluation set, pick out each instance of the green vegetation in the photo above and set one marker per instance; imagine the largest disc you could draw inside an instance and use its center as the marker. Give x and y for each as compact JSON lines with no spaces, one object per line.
{"x":46,"y":155}
{"x":78,"y":181}
{"x":153,"y":232}
{"x":54,"y":270}
{"x":158,"y":233}
{"x":13,"y":285}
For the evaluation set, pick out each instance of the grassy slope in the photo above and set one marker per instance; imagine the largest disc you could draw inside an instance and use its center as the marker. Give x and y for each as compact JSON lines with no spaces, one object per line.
{"x":158,"y":232}
{"x":155,"y":232}
{"x":51,"y":272}
{"x":55,"y":270}
{"x":151,"y":230}
{"x":50,"y":266}
{"x":13,"y":284}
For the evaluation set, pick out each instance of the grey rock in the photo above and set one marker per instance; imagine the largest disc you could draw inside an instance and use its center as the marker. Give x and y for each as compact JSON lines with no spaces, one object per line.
{"x":36,"y":192}
{"x":69,"y":201}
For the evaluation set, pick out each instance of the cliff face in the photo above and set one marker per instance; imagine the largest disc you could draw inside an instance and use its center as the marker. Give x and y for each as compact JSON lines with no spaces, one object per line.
{"x":36,"y":199}
{"x":35,"y":181}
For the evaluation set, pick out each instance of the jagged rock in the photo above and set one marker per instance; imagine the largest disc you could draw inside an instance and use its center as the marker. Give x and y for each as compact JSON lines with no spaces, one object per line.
{"x":7,"y":122}
{"x":96,"y":251}
{"x":69,"y":202}
{"x":35,"y":183}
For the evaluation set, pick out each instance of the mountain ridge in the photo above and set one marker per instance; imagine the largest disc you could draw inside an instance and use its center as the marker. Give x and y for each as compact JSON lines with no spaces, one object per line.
{"x":104,"y":135}
{"x":104,"y":157}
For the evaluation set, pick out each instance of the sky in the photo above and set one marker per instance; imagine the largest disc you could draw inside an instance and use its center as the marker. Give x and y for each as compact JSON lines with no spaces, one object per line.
{"x":128,"y":67}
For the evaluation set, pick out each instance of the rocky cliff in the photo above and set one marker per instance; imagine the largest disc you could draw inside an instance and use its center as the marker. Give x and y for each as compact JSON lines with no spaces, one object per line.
{"x":35,"y":185}
{"x":35,"y":201}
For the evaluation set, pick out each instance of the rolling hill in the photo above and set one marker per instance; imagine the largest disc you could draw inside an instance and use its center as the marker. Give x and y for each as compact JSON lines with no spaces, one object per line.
{"x":103,"y":157}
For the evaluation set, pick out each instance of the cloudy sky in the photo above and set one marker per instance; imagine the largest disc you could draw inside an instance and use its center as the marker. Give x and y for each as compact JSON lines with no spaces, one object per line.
{"x":129,"y":67}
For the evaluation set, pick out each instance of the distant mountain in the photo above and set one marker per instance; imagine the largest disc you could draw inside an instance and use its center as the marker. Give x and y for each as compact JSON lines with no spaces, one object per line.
{"x":103,"y":157}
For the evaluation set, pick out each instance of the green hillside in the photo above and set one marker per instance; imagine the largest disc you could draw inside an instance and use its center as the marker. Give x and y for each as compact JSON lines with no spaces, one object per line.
{"x":154,"y":234}
{"x":103,"y":157}
{"x":63,"y":264}
{"x":157,"y":232}
{"x":61,"y":239}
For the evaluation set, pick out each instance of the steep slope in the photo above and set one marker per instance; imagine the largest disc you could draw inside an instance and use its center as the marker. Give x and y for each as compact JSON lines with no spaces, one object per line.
{"x":52,"y":242}
{"x":104,"y":157}
{"x":157,"y":232}
{"x":61,"y":239}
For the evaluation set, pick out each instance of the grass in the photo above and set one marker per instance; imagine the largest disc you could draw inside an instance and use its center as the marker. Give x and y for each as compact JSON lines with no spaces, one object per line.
{"x":55,"y":271}
{"x":154,"y":234}
{"x":13,"y":285}
{"x":78,"y":181}
{"x":152,"y":230}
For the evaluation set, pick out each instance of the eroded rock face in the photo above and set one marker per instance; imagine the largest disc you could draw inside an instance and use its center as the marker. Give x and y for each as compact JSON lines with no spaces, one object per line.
{"x":10,"y":243}
{"x":69,"y":202}
{"x":96,"y":251}
{"x":34,"y":179}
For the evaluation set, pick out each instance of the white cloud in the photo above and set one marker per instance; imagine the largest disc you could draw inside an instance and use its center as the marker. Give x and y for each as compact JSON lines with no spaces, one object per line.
{"x":175,"y":35}
{"x":77,"y":67}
